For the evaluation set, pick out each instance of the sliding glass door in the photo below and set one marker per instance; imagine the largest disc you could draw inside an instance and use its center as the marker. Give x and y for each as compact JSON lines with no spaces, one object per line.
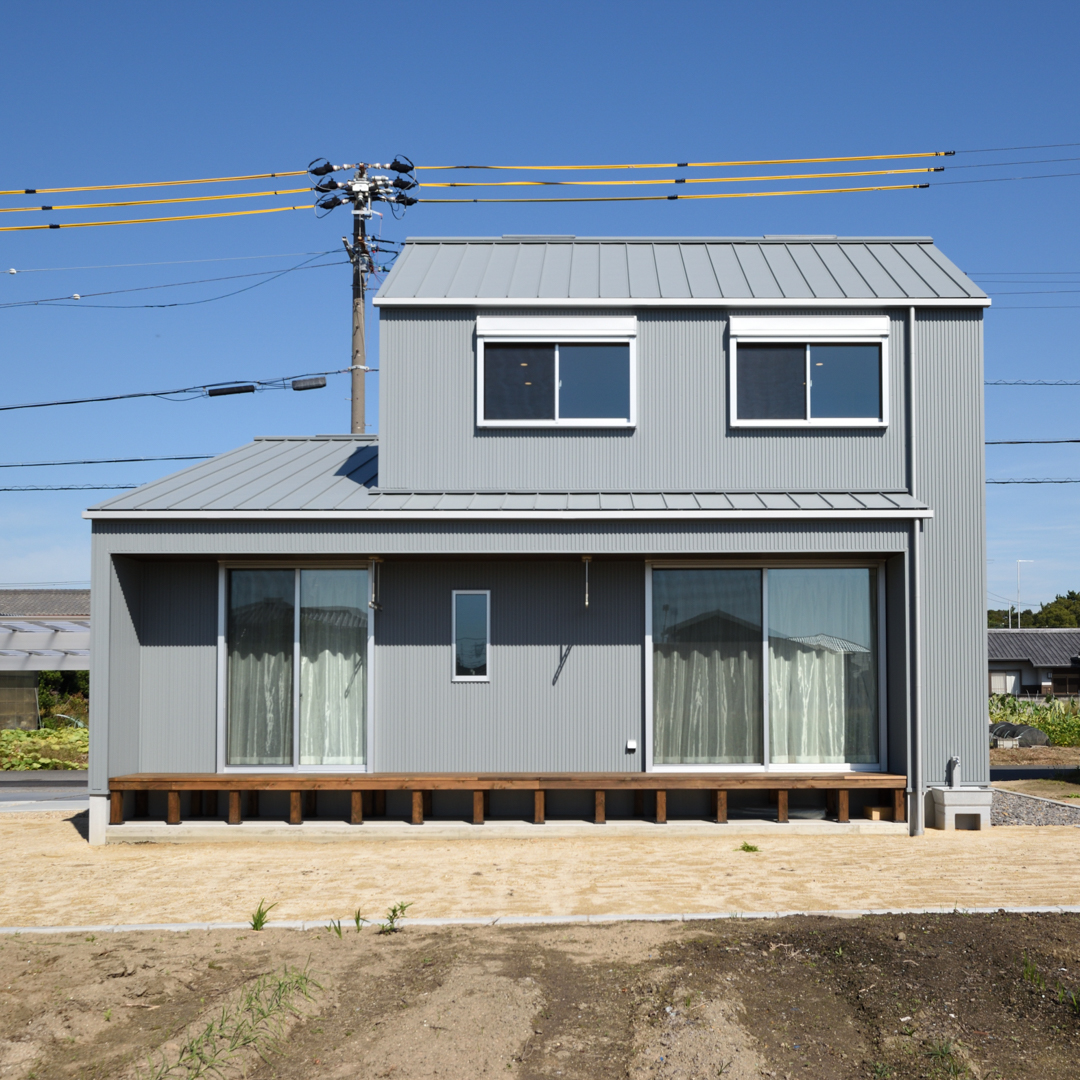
{"x":765,"y":666}
{"x":296,"y":644}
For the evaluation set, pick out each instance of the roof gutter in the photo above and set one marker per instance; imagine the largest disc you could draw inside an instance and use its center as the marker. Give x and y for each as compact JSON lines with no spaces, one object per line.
{"x":508,"y":515}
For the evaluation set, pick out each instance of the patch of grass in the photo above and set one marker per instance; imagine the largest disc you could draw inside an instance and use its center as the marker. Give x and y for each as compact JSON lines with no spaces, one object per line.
{"x":1031,"y":974}
{"x":359,"y":920}
{"x":254,"y":1022}
{"x":62,"y":748}
{"x":335,"y":927}
{"x":260,"y":915}
{"x":394,"y":914}
{"x":744,"y":846}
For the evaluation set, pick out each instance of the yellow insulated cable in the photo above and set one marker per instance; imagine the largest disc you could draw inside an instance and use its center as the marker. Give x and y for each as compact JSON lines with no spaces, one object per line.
{"x":151,"y":202}
{"x":150,"y":221}
{"x":673,"y":180}
{"x":155,"y":183}
{"x":672,"y":198}
{"x":695,"y":164}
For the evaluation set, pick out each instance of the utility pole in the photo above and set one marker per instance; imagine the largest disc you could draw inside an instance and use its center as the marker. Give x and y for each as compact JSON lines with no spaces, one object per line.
{"x":359,"y":193}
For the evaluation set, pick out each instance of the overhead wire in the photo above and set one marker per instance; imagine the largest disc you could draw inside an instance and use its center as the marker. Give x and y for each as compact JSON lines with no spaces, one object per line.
{"x":70,"y":487}
{"x":152,"y":202}
{"x":150,"y":221}
{"x":1027,"y":442}
{"x":1035,"y":480}
{"x":170,"y":262}
{"x":103,"y":461}
{"x":153,"y":183}
{"x":195,"y":391}
{"x":673,"y":198}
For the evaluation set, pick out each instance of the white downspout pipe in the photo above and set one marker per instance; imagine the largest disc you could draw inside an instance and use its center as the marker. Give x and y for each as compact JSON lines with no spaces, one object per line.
{"x":916,"y":782}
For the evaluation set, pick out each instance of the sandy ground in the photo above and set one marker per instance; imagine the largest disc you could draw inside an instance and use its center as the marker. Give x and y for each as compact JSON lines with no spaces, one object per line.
{"x":52,"y":877}
{"x":1059,"y":790}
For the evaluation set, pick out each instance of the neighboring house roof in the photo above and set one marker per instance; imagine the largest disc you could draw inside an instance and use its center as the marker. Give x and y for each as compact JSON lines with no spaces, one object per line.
{"x":1037,"y":646}
{"x":45,"y":603}
{"x":673,"y":271}
{"x":337,"y":475}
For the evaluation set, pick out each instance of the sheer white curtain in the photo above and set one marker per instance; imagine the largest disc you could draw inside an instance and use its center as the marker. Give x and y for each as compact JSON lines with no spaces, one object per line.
{"x":333,"y":666}
{"x":260,"y":666}
{"x":823,"y":707}
{"x":707,"y":697}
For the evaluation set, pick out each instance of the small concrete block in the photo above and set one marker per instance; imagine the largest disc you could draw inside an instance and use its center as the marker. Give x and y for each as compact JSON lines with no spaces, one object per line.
{"x":878,"y":813}
{"x":962,"y":807}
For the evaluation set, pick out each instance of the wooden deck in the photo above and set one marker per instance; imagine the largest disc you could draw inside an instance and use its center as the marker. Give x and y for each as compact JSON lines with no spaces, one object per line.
{"x":368,"y":791}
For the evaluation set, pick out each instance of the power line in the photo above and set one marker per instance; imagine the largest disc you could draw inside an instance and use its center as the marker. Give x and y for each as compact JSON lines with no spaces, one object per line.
{"x":1002,"y":164}
{"x":178,"y":262}
{"x":1002,"y":149}
{"x":150,"y":184}
{"x":71,"y":487}
{"x":686,"y":164}
{"x":1032,"y":382}
{"x":671,"y":180}
{"x":673,"y":198}
{"x":1065,"y":480}
{"x":150,"y":221}
{"x":152,"y":202}
{"x":271,"y":275}
{"x":203,"y":390}
{"x":1028,"y":442}
{"x":1003,"y":179}
{"x":104,"y":461}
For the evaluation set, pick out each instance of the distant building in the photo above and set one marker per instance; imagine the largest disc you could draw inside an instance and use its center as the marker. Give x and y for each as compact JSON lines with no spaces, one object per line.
{"x":40,"y":630}
{"x":1033,"y":662}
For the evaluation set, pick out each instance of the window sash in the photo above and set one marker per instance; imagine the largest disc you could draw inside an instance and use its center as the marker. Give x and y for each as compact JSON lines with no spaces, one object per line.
{"x":562,"y":339}
{"x":879,"y":654}
{"x":455,"y":676}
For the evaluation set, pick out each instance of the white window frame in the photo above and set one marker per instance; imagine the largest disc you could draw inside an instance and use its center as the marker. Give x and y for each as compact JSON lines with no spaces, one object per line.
{"x":808,"y":331}
{"x":764,"y":565}
{"x":222,"y":766}
{"x":608,"y":330}
{"x":454,"y":676}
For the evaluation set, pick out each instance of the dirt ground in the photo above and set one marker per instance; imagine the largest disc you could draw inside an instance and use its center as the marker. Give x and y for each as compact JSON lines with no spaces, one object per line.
{"x":1051,"y":757}
{"x":1059,"y":790}
{"x":980,"y":996}
{"x":52,"y":877}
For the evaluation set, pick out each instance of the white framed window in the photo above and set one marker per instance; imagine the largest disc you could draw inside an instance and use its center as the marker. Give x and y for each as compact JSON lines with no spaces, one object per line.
{"x":471,"y":635}
{"x":771,"y":665}
{"x":827,"y":371}
{"x":295,"y":651}
{"x":556,"y":372}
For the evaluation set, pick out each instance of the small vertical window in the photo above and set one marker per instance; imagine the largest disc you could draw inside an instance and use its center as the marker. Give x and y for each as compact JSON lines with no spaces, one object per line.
{"x":471,"y":635}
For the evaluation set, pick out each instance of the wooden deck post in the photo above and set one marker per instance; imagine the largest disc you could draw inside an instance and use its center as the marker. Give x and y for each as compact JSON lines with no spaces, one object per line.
{"x":296,"y":808}
{"x":142,"y":804}
{"x":538,"y":807}
{"x":600,"y":808}
{"x":478,"y":808}
{"x":172,"y":816}
{"x":661,"y":808}
{"x":842,"y":805}
{"x":781,"y":805}
{"x":899,"y":810}
{"x":116,"y":808}
{"x":210,"y":803}
{"x":378,"y":799}
{"x":418,"y":808}
{"x":356,"y":808}
{"x":234,"y":808}
{"x":720,"y":806}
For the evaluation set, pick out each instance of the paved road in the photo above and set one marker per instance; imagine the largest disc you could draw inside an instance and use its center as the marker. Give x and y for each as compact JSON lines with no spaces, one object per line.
{"x":22,"y":792}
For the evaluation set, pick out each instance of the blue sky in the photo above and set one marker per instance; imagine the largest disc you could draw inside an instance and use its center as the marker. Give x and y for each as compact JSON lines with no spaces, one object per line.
{"x":116,"y":92}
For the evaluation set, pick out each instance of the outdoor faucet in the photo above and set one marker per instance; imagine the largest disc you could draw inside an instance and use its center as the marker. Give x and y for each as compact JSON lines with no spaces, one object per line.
{"x":954,"y":772}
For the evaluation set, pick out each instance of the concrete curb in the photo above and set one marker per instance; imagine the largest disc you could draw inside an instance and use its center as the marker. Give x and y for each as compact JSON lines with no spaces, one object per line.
{"x":550,"y":920}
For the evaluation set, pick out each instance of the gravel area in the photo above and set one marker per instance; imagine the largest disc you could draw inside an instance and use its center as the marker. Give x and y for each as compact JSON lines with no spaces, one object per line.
{"x":1012,"y":808}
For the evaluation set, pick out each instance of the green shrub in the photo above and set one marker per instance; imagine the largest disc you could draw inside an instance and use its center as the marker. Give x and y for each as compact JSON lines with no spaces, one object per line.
{"x":63,"y":748}
{"x":1058,"y":717}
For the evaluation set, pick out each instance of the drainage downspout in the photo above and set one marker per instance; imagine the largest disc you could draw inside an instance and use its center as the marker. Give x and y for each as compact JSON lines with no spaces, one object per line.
{"x":915,"y":741}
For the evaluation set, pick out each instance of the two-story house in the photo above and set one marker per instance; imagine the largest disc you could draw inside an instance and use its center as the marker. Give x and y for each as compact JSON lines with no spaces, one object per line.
{"x":644,"y":516}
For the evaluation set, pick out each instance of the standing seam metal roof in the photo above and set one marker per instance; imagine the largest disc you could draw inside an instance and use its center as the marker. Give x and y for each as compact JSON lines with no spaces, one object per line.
{"x":337,"y":473}
{"x":699,"y":268}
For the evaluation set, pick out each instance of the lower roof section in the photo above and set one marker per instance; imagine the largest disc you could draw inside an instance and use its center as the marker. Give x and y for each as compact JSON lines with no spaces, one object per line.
{"x":336,"y":478}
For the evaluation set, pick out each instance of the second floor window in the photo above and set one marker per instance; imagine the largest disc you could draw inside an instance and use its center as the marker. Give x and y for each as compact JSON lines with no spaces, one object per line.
{"x":551,"y":372}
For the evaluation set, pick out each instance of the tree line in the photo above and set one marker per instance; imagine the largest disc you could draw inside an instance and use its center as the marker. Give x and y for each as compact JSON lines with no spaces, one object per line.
{"x":1062,"y":611}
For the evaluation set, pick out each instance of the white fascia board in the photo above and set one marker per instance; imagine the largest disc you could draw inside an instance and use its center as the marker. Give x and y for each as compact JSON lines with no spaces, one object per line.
{"x":491,"y":326}
{"x":507,"y":515}
{"x":679,"y":302}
